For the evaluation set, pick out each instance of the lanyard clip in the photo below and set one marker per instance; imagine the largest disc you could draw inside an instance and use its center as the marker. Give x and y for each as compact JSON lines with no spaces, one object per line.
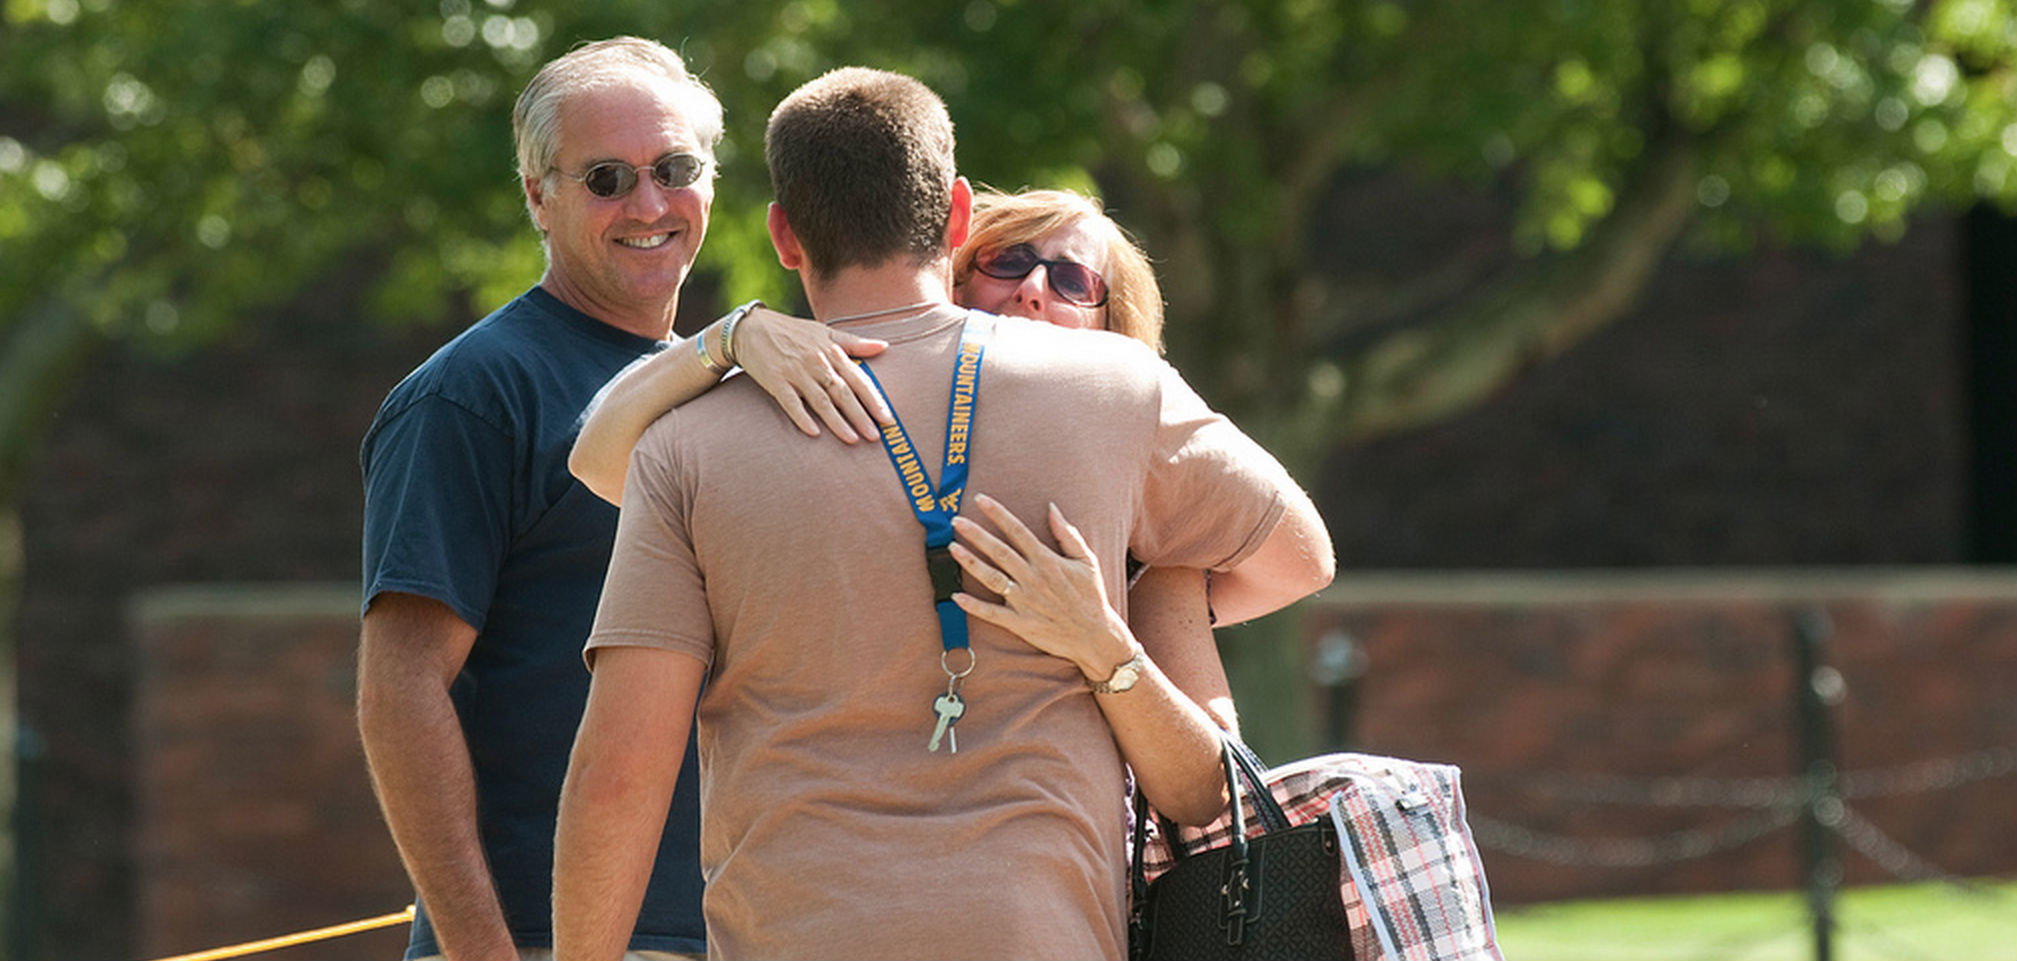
{"x":946,"y":576}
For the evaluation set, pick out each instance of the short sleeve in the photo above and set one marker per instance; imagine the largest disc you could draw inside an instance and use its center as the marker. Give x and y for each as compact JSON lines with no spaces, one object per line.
{"x":1212,"y":495}
{"x":655,"y":595}
{"x":437,"y":506}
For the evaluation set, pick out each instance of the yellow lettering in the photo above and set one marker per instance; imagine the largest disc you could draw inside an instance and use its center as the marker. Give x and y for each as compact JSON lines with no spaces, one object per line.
{"x":962,"y":405}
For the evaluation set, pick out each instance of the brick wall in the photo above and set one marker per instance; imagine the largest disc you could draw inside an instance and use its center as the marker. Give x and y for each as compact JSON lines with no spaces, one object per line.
{"x":253,"y":816}
{"x":1589,"y":707}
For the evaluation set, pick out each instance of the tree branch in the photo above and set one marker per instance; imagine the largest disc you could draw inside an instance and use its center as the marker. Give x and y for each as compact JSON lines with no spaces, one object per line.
{"x":1417,"y":376}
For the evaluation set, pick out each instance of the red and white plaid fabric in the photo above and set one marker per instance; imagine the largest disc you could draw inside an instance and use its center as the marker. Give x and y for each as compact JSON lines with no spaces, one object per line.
{"x":1409,"y":873}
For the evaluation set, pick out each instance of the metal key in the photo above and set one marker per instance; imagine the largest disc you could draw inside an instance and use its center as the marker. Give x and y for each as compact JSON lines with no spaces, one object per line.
{"x":949,"y":708}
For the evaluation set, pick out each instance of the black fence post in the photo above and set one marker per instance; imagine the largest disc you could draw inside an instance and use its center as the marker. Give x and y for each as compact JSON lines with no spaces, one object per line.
{"x":1817,"y":688}
{"x":24,"y":914}
{"x":1338,"y":665}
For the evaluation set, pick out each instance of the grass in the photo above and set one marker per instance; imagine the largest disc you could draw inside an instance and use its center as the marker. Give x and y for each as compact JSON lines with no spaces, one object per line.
{"x":1936,"y":922}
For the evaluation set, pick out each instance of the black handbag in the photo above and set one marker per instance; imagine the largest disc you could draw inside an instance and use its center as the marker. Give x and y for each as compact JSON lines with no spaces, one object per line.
{"x":1273,"y":896}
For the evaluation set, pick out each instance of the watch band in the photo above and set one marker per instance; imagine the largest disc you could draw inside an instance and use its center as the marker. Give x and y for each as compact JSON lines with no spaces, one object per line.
{"x":728,"y":323}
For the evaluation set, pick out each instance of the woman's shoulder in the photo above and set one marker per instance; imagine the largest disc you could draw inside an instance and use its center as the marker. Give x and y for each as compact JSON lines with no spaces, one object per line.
{"x":1094,"y":350}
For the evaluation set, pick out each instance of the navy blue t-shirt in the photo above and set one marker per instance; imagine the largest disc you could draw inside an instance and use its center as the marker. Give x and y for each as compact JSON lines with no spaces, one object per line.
{"x":468,"y":500}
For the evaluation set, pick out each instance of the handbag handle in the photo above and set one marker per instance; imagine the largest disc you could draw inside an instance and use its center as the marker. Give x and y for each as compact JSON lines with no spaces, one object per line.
{"x":1238,"y":886}
{"x":1241,"y":764}
{"x":1265,"y":806}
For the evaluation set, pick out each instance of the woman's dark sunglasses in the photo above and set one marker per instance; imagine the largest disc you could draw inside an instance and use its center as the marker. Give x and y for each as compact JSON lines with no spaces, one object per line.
{"x":611,"y":178}
{"x":1075,"y":282}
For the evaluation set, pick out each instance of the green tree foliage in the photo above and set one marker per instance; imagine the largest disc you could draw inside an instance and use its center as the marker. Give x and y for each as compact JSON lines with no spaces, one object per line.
{"x":1622,"y":128}
{"x":167,"y":168}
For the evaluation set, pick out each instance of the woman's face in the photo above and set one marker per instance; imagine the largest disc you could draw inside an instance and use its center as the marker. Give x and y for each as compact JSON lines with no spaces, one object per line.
{"x":1031,"y":295}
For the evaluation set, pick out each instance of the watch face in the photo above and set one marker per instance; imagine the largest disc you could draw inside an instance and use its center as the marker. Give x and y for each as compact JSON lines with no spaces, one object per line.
{"x":1124,"y":677}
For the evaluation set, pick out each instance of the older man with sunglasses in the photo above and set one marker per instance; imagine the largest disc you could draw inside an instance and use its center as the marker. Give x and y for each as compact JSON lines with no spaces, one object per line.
{"x":484,"y":559}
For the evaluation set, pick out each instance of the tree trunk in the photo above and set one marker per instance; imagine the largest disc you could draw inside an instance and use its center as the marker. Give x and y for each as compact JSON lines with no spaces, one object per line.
{"x":47,"y":347}
{"x":11,"y":879}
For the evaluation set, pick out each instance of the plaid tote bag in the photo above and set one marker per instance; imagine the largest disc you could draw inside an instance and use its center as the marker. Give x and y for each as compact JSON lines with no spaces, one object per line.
{"x":1409,"y":874}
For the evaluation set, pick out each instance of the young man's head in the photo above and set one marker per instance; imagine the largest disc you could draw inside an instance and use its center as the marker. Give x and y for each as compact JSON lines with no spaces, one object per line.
{"x":862,"y":164}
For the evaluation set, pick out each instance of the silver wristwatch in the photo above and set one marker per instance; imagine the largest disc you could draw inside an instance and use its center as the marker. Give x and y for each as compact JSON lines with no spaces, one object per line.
{"x":1124,"y":676}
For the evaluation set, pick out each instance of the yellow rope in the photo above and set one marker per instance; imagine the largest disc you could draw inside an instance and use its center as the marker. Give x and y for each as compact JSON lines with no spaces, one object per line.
{"x":288,"y":940}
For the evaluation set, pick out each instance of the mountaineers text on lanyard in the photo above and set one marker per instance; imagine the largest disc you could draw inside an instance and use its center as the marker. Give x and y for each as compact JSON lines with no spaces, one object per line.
{"x":935,"y":510}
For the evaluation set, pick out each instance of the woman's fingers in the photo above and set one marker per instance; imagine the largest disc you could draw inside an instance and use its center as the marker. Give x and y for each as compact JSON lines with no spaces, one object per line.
{"x":1069,"y":538}
{"x":1026,"y":558}
{"x":1000,"y":615}
{"x":854,"y":345}
{"x":864,"y":405}
{"x":820,"y":397}
{"x":787,"y":398}
{"x":1012,"y":564}
{"x":1012,"y":527}
{"x":991,"y":577}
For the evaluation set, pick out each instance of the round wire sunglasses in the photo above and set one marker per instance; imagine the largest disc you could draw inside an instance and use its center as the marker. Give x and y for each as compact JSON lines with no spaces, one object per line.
{"x":611,"y":179}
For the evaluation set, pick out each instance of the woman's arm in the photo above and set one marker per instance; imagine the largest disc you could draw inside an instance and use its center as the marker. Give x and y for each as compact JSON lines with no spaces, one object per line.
{"x":802,"y":364}
{"x":1295,"y":561}
{"x":1057,"y":603}
{"x":1168,"y":612}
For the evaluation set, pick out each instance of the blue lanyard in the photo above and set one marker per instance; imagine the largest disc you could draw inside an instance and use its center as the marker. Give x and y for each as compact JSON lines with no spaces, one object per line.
{"x":935,"y":507}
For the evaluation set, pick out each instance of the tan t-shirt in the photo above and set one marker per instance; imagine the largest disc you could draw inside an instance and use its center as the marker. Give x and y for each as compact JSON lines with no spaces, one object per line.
{"x":795,"y":568}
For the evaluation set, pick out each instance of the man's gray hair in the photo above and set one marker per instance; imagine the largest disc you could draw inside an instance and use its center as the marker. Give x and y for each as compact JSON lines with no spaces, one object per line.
{"x":535,"y":121}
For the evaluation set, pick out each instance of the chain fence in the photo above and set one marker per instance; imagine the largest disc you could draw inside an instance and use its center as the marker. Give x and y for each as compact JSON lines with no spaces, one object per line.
{"x":1772,"y":803}
{"x":1779,"y":801}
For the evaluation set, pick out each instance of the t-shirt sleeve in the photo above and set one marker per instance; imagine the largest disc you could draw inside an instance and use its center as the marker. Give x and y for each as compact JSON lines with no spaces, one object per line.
{"x":654,"y":595}
{"x":437,"y":506}
{"x":1212,"y":495}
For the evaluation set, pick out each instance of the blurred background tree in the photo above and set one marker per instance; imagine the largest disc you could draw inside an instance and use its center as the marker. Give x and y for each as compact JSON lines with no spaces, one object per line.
{"x":168,"y":169}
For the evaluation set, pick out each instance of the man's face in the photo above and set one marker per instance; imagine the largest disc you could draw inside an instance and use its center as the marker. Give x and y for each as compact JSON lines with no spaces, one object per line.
{"x":622,"y":259}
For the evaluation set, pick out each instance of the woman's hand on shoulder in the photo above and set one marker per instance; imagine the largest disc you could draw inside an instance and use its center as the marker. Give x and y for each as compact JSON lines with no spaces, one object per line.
{"x":808,"y":369}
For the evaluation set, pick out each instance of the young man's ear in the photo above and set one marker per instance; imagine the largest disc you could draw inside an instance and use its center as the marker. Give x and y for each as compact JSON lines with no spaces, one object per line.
{"x":960,"y":222}
{"x":789,"y":253}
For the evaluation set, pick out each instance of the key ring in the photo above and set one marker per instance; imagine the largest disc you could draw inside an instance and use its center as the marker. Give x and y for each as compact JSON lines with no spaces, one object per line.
{"x":949,"y":672}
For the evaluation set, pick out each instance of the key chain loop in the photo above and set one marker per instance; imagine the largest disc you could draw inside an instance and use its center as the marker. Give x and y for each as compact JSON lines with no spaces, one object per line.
{"x":946,"y":665}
